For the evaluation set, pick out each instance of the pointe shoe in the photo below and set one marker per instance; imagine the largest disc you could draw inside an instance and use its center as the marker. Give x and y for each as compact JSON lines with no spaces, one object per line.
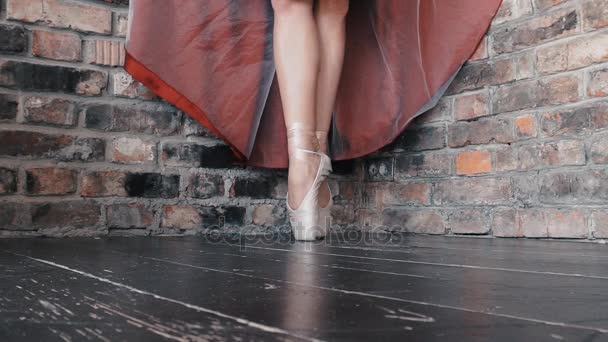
{"x":305,"y":219}
{"x":325,"y":212}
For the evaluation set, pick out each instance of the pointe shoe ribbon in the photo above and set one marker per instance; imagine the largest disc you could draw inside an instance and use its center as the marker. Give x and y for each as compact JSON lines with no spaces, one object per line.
{"x":305,"y":219}
{"x":325,"y":212}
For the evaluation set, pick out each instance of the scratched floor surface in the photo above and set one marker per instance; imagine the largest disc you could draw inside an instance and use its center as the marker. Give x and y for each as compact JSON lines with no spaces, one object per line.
{"x":347,"y":288}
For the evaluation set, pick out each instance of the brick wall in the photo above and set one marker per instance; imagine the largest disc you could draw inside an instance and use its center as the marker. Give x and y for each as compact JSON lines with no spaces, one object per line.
{"x":518,"y":145}
{"x":86,"y":150}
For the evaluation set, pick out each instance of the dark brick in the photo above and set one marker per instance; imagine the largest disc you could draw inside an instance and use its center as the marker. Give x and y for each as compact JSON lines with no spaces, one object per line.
{"x":343,"y":167}
{"x":413,"y":221}
{"x":13,"y":39}
{"x":568,"y":122}
{"x":423,"y":165}
{"x":254,"y":187}
{"x":121,"y":3}
{"x":197,"y":155}
{"x":8,"y":181}
{"x":152,"y":185}
{"x":132,"y":118}
{"x":420,"y":138}
{"x":379,"y":169}
{"x":58,"y":147}
{"x":129,"y":215}
{"x":38,"y":77}
{"x":553,"y":25}
{"x":574,"y":187}
{"x":556,"y":153}
{"x":15,"y":216}
{"x":483,"y":73}
{"x":9,"y":105}
{"x":217,"y":217}
{"x":599,"y":149}
{"x":475,"y":191}
{"x":66,"y":214}
{"x":483,"y":131}
{"x":536,"y":93}
{"x":206,"y":185}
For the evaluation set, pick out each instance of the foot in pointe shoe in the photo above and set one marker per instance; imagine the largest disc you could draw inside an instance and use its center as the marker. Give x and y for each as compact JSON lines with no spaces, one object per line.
{"x":305,"y":163}
{"x":325,"y":196}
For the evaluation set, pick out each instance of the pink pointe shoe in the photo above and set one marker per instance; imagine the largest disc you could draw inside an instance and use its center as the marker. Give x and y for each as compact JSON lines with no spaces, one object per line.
{"x":305,"y":219}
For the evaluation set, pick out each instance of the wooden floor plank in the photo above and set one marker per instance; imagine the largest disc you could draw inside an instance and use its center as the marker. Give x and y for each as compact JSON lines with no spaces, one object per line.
{"x":298,"y":293}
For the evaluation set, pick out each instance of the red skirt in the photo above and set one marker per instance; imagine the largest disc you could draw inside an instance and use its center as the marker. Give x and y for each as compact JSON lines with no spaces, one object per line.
{"x":213,"y":60}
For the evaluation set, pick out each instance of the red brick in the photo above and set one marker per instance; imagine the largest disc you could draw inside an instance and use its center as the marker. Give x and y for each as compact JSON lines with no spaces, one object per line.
{"x":124,"y":85}
{"x":51,"y":181}
{"x":525,"y":126}
{"x":532,"y":223}
{"x":413,"y":221}
{"x":535,"y":93}
{"x":505,"y":223}
{"x":51,"y":111}
{"x":598,"y":83}
{"x":599,"y":149}
{"x":473,"y":162}
{"x":471,"y":106}
{"x":103,"y":183}
{"x":573,"y":54}
{"x":473,"y":191}
{"x":269,"y":215}
{"x":57,"y":13}
{"x":66,"y":217}
{"x":469,"y":221}
{"x":104,"y":52}
{"x":595,"y":14}
{"x":181,"y":217}
{"x":482,"y":131}
{"x":600,"y":223}
{"x":56,"y":45}
{"x":505,"y":159}
{"x":547,"y":4}
{"x":58,"y":147}
{"x":567,"y":223}
{"x":481,"y":51}
{"x":557,"y":24}
{"x":132,"y":151}
{"x":129,"y":215}
{"x":559,"y":153}
{"x":415,"y":193}
{"x":513,"y":9}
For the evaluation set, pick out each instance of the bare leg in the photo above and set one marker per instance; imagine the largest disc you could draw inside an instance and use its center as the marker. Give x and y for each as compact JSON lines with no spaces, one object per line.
{"x":329,"y":15}
{"x":296,"y":53}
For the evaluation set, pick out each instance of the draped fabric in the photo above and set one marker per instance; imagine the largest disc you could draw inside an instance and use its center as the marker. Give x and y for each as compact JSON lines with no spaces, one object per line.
{"x":213,"y":59}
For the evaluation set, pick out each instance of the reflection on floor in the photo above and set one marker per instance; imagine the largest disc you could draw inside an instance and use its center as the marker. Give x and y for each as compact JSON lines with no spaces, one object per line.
{"x":348,"y":287}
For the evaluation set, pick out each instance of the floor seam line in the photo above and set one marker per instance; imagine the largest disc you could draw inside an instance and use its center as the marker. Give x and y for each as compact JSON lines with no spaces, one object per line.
{"x":239,"y":320}
{"x":562,"y":324}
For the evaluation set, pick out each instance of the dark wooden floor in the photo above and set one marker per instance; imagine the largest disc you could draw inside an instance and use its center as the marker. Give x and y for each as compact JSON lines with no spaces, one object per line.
{"x":356,"y":288}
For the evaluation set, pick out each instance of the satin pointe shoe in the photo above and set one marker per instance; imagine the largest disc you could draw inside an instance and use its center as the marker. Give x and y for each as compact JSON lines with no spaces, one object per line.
{"x":325,"y":212}
{"x":305,"y":219}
